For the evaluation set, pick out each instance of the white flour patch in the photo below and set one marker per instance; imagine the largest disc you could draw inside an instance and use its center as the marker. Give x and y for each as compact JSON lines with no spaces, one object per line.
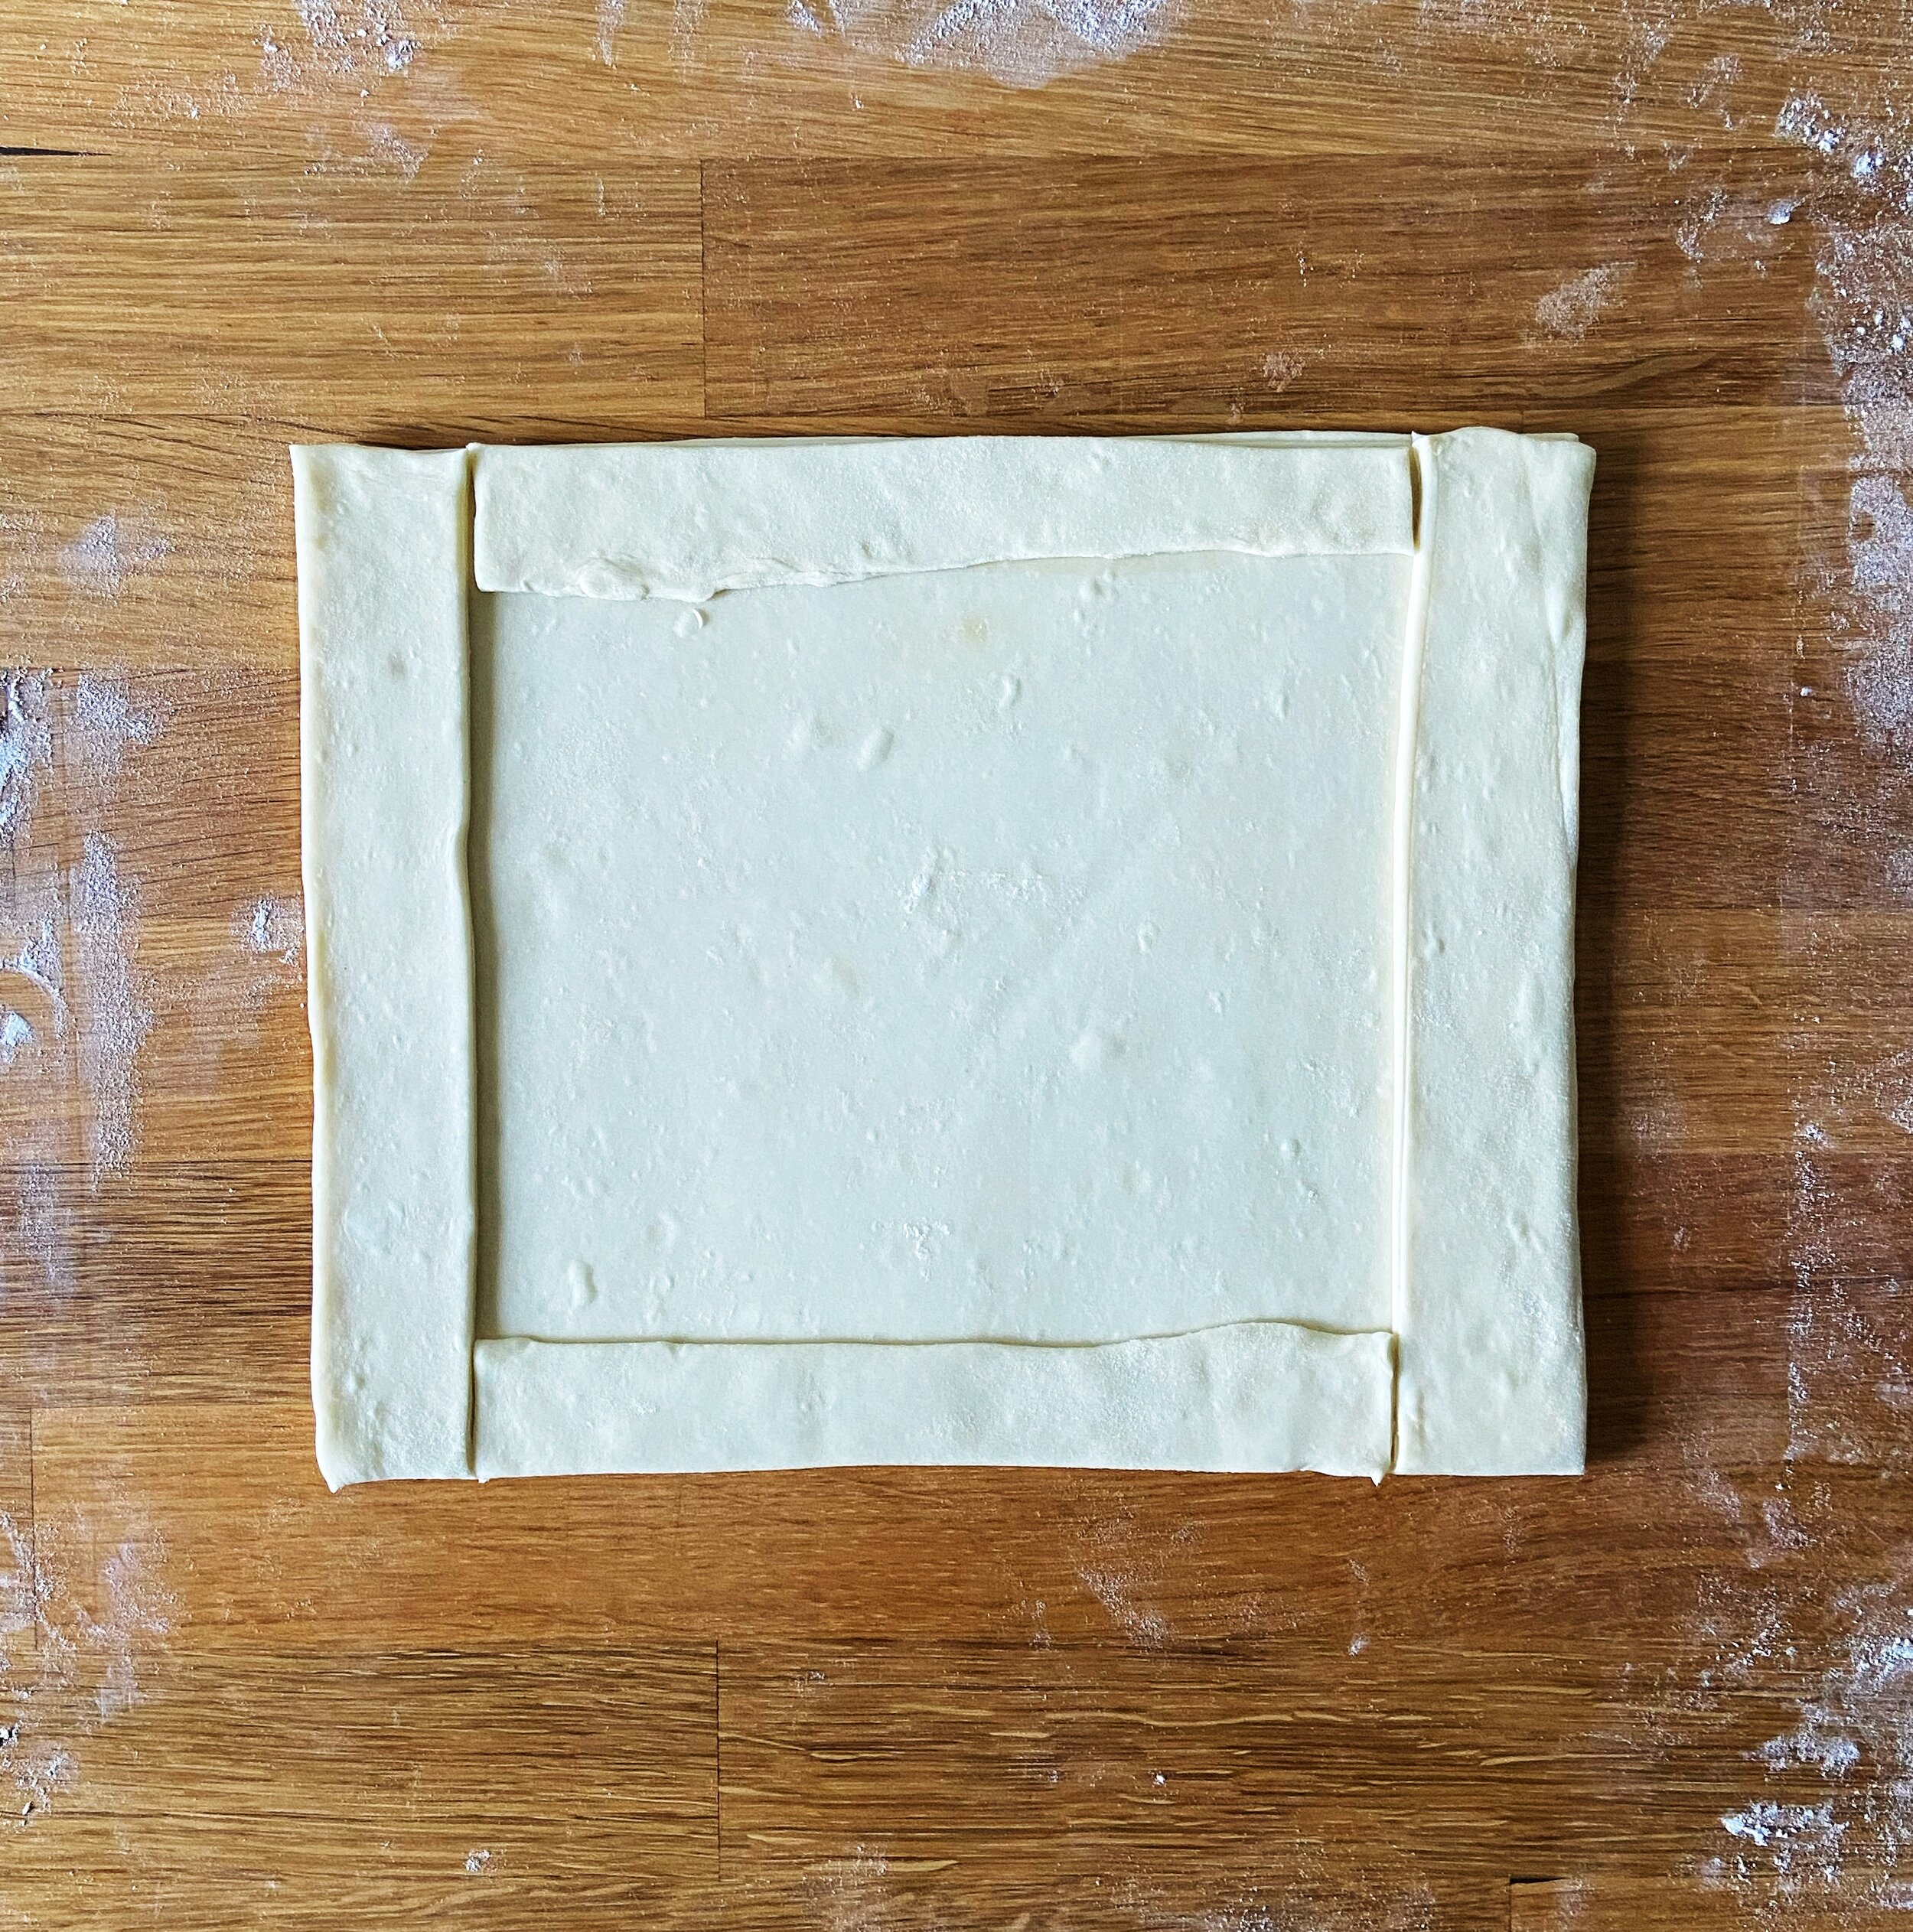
{"x":26,"y":749}
{"x":103,"y":724}
{"x":1570,"y":310}
{"x":114,"y":1017}
{"x":1811,"y":1249}
{"x":68,"y":933}
{"x":854,"y":1894}
{"x":230,"y":997}
{"x":1786,"y":1831}
{"x":1022,"y":44}
{"x":273,"y":928}
{"x":1862,"y":302}
{"x":277,"y":68}
{"x":16,"y":1032}
{"x":1280,"y":367}
{"x":1879,"y":685}
{"x":477,"y":1861}
{"x":611,"y":23}
{"x":1888,"y":1086}
{"x":1856,"y":1733}
{"x":1829,"y":1815}
{"x":109,"y":551}
{"x":687,"y":16}
{"x":51,"y":1641}
{"x":370,"y":38}
{"x":38,"y":963}
{"x":36,"y":1050}
{"x":44,"y":1225}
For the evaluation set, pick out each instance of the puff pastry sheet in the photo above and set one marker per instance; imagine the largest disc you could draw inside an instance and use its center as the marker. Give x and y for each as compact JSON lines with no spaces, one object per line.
{"x":983,"y":950}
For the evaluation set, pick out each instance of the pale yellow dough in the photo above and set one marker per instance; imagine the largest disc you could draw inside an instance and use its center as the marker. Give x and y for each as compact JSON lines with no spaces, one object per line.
{"x":1063,"y":955}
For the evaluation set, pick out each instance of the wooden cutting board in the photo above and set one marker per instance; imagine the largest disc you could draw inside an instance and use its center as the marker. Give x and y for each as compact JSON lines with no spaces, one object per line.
{"x":1677,"y":1693}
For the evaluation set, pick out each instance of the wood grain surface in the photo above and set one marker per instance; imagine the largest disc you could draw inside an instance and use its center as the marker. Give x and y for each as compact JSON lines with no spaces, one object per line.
{"x":1677,"y":1693}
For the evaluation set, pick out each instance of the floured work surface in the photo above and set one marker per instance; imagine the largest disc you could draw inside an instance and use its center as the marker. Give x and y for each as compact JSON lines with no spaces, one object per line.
{"x":977,"y":951}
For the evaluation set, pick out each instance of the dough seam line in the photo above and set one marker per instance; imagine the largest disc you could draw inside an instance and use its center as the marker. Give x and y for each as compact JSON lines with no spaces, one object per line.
{"x":1414,"y":650}
{"x":1066,"y":1346}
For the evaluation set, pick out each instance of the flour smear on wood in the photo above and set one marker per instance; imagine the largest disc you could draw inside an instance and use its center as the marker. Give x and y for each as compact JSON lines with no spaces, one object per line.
{"x":74,"y":1637}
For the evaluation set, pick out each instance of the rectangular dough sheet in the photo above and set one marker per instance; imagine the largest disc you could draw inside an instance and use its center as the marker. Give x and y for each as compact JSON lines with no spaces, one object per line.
{"x":987,"y":950}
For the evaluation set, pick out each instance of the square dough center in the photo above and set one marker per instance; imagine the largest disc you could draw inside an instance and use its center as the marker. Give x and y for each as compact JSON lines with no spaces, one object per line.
{"x":1000,"y":953}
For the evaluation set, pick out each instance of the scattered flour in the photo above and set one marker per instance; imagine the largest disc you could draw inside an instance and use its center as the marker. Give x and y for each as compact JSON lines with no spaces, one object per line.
{"x":1831,"y":1817}
{"x":278,"y":68}
{"x":1856,"y":1733}
{"x":1784,"y":1830}
{"x":1850,"y":1384}
{"x":38,"y":962}
{"x":611,"y":23}
{"x":687,"y":16}
{"x":1573,"y":309}
{"x":1139,"y":1622}
{"x":1280,"y":367}
{"x":74,"y":1011}
{"x":852,"y":1895}
{"x":371,"y":37}
{"x":1021,"y":43}
{"x":1861,"y":198}
{"x":109,"y":551}
{"x":273,"y":928}
{"x":56,"y":1651}
{"x":44,"y":1225}
{"x":114,"y":1018}
{"x":26,"y":749}
{"x":389,"y":148}
{"x":103,"y":725}
{"x":1029,"y":43}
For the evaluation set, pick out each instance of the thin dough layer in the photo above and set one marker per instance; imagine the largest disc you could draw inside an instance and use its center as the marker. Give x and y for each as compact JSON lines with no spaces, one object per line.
{"x":1000,"y":953}
{"x":686,"y":520}
{"x":1256,"y":1396}
{"x":382,"y":537}
{"x":1491,"y":1380}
